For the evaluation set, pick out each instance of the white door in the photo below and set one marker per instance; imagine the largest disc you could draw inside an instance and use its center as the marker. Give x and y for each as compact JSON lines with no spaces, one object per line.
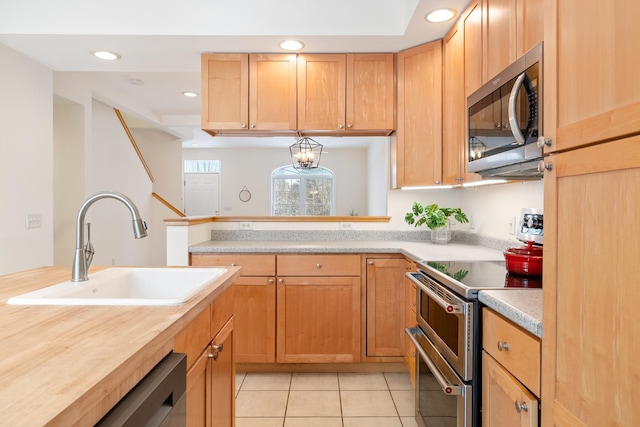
{"x":201,"y":194}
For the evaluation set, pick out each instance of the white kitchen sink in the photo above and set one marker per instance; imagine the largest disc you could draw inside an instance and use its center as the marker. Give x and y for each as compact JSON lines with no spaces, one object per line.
{"x":126,"y":286}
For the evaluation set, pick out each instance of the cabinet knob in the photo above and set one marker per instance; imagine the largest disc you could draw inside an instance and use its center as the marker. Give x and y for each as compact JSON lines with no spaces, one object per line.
{"x":271,"y":281}
{"x":318,"y":265}
{"x":253,"y":125}
{"x":522,"y":407}
{"x":244,"y":126}
{"x":218,"y":347}
{"x":542,"y":142}
{"x":498,"y":125}
{"x":503,"y":346}
{"x":340,"y":126}
{"x":544,"y":166}
{"x":233,"y":264}
{"x":350,"y":125}
{"x":370,"y":262}
{"x":281,"y":281}
{"x":437,"y":181}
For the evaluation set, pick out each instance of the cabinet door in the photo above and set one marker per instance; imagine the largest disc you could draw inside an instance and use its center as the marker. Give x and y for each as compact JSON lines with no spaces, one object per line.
{"x":321,"y":92}
{"x":530,"y":24}
{"x":272,"y":92}
{"x":590,"y":289}
{"x":419,"y":133}
{"x":500,"y":31}
{"x":225,"y":91}
{"x":592,"y":100}
{"x":472,"y":23}
{"x":318,"y":319}
{"x":198,"y":402}
{"x":223,"y":378}
{"x":370,"y":92}
{"x":385,"y":306}
{"x":505,"y":402}
{"x":255,"y":320}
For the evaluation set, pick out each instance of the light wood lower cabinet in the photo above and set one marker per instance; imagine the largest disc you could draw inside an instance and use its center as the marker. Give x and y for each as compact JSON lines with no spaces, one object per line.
{"x":385,"y":306}
{"x":254,"y":304}
{"x":318,"y":319}
{"x":410,"y":322}
{"x":208,"y":342}
{"x":510,"y":373}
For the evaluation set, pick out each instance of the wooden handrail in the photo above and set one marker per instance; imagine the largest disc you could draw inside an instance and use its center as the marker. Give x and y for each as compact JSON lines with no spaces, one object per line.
{"x":169,"y":205}
{"x":133,"y":142}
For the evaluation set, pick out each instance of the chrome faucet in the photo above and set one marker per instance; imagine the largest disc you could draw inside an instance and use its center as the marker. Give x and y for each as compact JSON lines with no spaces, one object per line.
{"x":84,"y":251}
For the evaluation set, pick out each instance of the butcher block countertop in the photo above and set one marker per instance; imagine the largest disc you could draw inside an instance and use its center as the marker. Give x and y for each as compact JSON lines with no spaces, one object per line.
{"x":68,"y":365}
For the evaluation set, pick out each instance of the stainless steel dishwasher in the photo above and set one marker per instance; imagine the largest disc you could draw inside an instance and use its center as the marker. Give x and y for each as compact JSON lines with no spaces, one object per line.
{"x":158,"y":400}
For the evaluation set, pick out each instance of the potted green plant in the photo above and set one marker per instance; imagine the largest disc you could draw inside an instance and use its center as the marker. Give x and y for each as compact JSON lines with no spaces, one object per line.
{"x":436,"y":218}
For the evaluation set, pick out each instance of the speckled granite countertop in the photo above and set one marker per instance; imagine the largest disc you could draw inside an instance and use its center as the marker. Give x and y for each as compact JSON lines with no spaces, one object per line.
{"x":522,"y":306}
{"x":415,"y":250}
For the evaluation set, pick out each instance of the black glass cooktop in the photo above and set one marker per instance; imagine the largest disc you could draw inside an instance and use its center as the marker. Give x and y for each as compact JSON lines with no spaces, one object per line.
{"x":466,"y":278}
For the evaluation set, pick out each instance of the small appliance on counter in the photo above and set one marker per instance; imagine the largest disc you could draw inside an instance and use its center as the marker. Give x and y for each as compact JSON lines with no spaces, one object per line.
{"x":527,"y":260}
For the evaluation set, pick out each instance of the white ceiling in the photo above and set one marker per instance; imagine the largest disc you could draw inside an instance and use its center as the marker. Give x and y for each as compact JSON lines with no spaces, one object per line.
{"x":161,"y":40}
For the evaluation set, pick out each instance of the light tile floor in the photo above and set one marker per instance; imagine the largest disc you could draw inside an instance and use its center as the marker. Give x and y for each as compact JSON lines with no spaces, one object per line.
{"x":324,"y":400}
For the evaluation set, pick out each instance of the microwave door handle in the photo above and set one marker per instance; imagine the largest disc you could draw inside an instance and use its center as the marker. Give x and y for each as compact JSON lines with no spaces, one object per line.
{"x":448,"y":307}
{"x":513,"y":121}
{"x":447,"y":388}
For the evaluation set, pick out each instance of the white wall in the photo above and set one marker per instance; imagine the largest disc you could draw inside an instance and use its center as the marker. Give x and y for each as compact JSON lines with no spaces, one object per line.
{"x":252,"y":167}
{"x":113,"y":165}
{"x":163,"y":154}
{"x":68,"y":176}
{"x":26,"y":150}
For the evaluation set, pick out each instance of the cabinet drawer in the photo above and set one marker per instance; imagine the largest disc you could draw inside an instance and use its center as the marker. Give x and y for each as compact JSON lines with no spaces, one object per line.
{"x":252,"y":265}
{"x":318,"y":265}
{"x":513,"y":347}
{"x":194,"y":337}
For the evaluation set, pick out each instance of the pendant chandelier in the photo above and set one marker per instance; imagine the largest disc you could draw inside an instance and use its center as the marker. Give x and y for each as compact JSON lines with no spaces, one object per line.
{"x":305,"y":153}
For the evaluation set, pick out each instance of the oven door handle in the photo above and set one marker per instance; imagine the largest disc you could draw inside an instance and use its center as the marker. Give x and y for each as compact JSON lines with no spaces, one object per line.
{"x":447,"y":306}
{"x":447,"y":388}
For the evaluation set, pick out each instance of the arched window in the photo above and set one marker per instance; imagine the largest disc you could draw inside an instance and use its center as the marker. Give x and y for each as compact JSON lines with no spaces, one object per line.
{"x":301,"y":192}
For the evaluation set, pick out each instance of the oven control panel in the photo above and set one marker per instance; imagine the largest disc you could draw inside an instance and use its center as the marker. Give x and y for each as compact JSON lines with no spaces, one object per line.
{"x":531,"y":226}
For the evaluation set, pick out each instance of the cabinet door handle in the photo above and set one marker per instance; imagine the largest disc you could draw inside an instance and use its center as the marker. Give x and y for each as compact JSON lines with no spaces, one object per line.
{"x":544,"y":166}
{"x":271,"y":281}
{"x":318,"y":266}
{"x":253,"y":125}
{"x":244,"y":126}
{"x":281,"y":281}
{"x":522,"y":407}
{"x":350,"y":125}
{"x":340,"y":126}
{"x":503,"y":346}
{"x":218,"y":347}
{"x":233,"y":264}
{"x":370,"y":262}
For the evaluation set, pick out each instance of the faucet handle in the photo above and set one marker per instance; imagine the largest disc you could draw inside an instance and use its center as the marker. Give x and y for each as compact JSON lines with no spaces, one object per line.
{"x":88,"y":247}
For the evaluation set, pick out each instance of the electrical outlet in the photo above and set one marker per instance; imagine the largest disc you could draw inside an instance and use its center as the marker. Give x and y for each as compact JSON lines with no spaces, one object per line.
{"x":345,"y":226}
{"x":512,"y":225}
{"x":34,"y":221}
{"x":472,"y":222}
{"x":246,"y":226}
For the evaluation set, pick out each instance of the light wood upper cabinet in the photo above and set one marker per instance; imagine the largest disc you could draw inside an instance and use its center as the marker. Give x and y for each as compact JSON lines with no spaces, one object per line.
{"x":321,"y":91}
{"x":370,"y":91}
{"x":225,"y":91}
{"x":510,"y":29}
{"x":248,"y":92}
{"x":454,"y":114}
{"x":419,"y":130}
{"x":472,"y":30}
{"x":352,"y":92}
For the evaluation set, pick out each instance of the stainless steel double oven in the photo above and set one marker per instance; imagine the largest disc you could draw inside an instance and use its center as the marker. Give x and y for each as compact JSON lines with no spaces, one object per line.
{"x":447,"y":339}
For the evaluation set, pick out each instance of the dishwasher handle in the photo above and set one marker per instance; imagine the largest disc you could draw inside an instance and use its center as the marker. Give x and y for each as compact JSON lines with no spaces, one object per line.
{"x":157,"y":400}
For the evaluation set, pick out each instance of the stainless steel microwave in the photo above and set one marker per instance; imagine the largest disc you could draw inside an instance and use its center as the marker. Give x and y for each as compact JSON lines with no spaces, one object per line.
{"x":505,"y":121}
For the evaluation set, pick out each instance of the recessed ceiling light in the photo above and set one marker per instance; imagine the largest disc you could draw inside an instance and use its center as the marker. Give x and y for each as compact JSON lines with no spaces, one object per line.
{"x":291,"y":45}
{"x":190,"y":93}
{"x":440,"y":15}
{"x":106,"y":55}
